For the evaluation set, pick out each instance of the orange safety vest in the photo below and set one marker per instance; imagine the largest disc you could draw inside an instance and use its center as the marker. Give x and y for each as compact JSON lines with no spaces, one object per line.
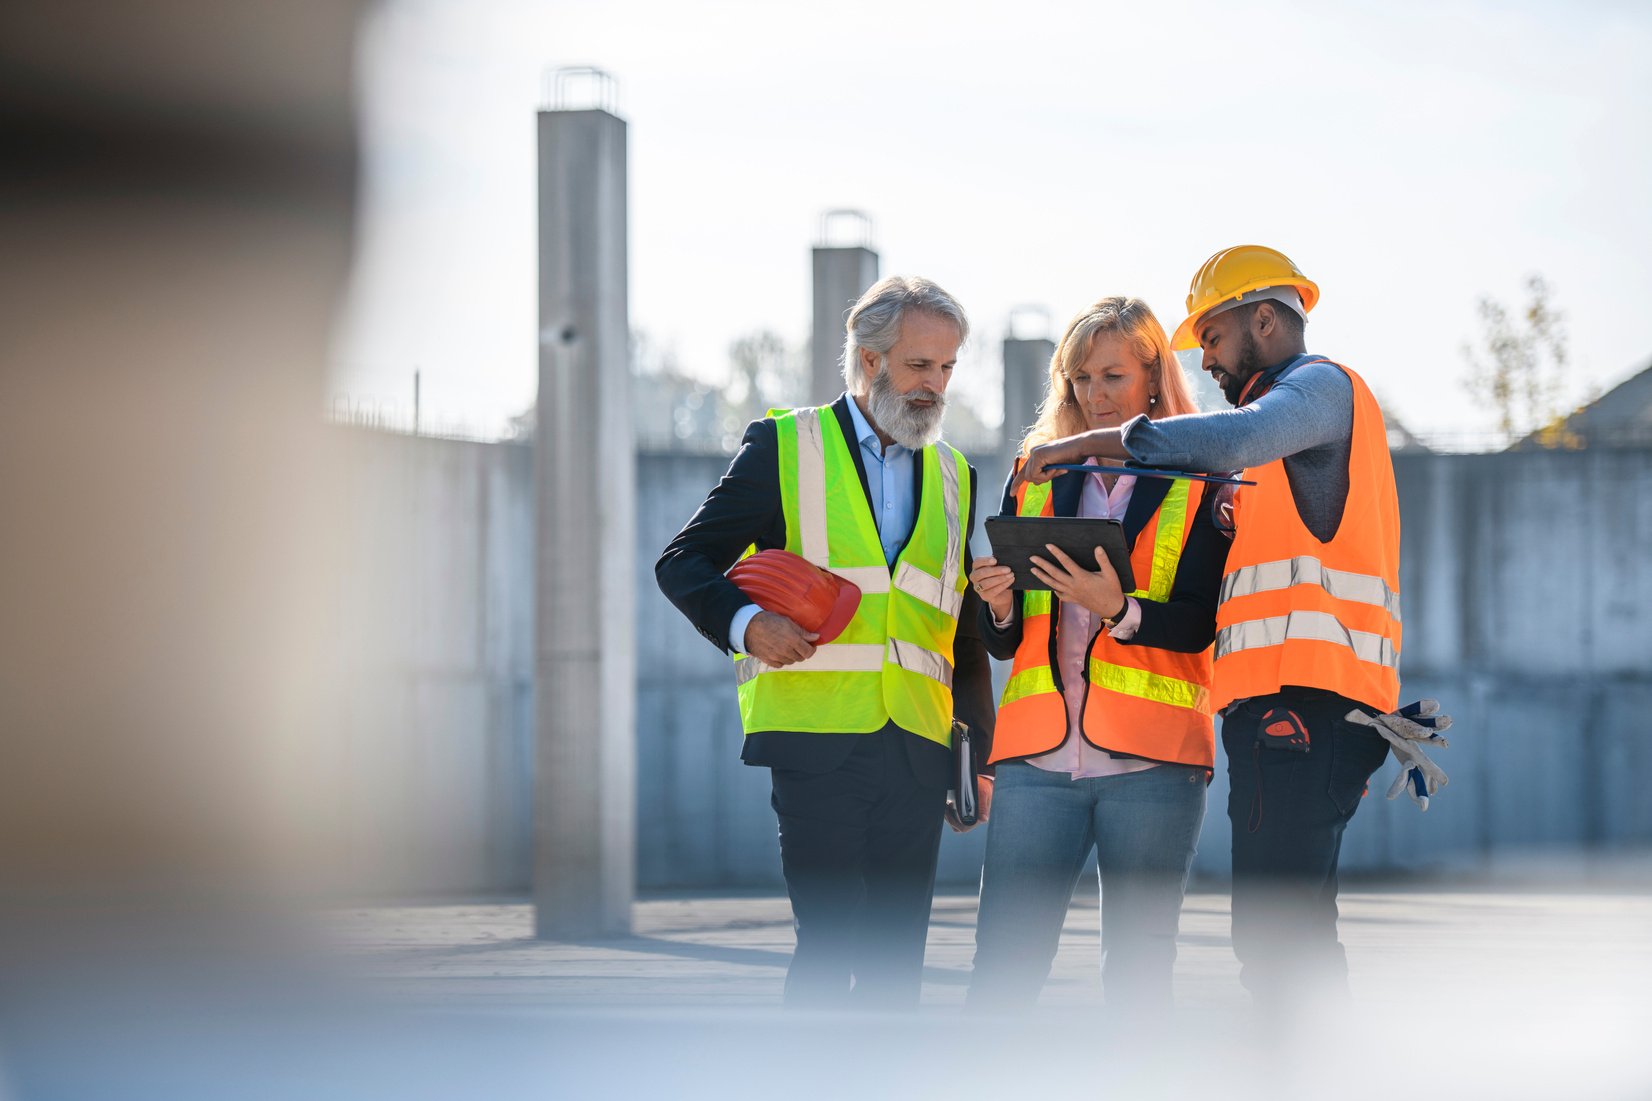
{"x":1139,"y":701}
{"x":1295,"y":611}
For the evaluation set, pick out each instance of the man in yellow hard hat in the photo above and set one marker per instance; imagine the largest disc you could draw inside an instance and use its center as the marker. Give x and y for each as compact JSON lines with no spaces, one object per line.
{"x":1308,"y":623}
{"x":856,"y":729}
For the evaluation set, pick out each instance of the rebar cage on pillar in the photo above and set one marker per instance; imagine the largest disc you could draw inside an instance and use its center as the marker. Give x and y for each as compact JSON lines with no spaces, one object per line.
{"x":563,"y":87}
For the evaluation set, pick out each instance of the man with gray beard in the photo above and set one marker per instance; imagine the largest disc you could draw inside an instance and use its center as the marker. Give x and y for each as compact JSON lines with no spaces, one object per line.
{"x":857,"y":729}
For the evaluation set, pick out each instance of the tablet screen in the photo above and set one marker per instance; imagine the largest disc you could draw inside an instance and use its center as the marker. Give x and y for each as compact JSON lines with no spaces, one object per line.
{"x":1015,"y":539}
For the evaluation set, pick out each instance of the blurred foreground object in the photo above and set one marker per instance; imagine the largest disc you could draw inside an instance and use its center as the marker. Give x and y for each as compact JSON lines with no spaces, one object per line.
{"x":176,"y":190}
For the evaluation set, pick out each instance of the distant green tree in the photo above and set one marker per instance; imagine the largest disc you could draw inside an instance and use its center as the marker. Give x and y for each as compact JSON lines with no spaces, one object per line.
{"x":1520,"y":368}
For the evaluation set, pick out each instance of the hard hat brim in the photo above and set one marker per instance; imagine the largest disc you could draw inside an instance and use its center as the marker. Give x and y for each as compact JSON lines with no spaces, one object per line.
{"x":1186,"y":337}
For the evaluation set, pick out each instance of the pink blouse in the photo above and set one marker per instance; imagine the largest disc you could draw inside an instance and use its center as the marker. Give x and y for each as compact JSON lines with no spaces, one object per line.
{"x":1073,"y":636}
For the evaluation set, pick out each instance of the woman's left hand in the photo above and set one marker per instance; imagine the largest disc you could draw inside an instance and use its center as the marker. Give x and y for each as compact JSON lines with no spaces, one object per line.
{"x":1099,"y":591}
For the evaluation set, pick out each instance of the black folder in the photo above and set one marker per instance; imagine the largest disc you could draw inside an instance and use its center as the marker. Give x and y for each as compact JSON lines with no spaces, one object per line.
{"x":964,"y":776}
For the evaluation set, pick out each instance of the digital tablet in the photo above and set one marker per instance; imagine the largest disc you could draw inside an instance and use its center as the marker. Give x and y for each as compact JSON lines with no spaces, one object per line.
{"x":1015,"y":539}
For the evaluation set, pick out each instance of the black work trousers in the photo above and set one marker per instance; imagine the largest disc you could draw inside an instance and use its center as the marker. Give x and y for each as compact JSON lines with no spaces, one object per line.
{"x":1289,"y":810}
{"x":858,"y":846}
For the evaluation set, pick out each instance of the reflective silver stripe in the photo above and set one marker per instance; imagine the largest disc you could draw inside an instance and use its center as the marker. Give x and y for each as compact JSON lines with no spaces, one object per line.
{"x":836,"y":657}
{"x":811,"y":487}
{"x":1361,"y":588}
{"x":870,"y":580}
{"x":1315,"y":626}
{"x":916,"y":659}
{"x":953,"y":561}
{"x":931,"y":590}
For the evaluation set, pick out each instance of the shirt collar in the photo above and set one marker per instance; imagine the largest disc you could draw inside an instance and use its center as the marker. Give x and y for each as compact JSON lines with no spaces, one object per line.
{"x":865,"y":433}
{"x":1100,"y":470}
{"x":1266,"y":378}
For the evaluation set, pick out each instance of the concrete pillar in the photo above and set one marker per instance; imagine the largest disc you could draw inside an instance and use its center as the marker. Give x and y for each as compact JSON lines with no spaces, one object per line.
{"x":1026,"y":371}
{"x":584,"y":668}
{"x":842,"y":273}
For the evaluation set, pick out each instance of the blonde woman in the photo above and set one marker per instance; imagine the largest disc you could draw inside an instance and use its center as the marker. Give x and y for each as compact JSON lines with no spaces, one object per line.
{"x":1104,"y":739}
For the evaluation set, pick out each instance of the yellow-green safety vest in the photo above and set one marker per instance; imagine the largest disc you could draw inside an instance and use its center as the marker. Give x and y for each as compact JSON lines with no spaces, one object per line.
{"x":894,"y":659}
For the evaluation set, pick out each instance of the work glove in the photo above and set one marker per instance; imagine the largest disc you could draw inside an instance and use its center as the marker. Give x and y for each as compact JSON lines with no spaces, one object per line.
{"x":1407,"y":730}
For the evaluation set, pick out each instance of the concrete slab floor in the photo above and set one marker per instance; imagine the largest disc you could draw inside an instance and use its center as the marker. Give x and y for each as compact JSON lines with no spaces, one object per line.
{"x":1458,"y":993}
{"x":732,"y":951}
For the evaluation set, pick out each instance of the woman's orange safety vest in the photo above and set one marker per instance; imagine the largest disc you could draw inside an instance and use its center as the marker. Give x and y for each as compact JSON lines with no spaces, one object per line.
{"x":1139,"y":701}
{"x":1295,"y":611}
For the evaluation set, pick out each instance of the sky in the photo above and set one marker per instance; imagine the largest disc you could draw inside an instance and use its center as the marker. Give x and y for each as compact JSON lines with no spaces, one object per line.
{"x":1410,"y":158}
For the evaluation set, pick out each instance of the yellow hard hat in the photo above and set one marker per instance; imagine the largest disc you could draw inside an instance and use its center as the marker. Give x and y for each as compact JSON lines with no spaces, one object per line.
{"x":1234,"y":272}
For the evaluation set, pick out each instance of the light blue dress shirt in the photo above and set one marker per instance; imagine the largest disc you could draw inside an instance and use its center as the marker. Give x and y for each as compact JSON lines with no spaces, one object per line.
{"x":889,"y":476}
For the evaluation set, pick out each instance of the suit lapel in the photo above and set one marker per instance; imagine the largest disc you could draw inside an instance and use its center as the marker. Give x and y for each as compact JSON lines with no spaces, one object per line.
{"x":840,"y":408}
{"x":917,"y":501}
{"x":1066,"y":492}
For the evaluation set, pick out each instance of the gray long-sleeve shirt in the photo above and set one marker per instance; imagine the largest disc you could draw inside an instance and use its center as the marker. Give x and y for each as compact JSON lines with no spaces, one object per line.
{"x":1307,"y":419}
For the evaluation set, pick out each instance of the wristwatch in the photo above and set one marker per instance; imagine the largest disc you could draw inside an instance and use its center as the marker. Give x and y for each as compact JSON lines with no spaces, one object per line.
{"x":1113,"y":620}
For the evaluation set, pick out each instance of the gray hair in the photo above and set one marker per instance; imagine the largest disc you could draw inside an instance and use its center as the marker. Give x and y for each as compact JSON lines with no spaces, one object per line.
{"x":875,"y":321}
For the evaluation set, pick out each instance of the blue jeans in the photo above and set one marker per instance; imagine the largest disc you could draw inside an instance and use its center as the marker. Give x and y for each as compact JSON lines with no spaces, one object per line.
{"x":1143,"y":826}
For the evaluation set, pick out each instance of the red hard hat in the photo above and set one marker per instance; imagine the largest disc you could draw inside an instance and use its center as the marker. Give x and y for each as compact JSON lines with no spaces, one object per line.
{"x":787,"y":584}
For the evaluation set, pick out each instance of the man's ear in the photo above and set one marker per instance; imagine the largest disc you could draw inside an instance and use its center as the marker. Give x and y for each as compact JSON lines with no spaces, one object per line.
{"x":868,"y":363}
{"x":1265,"y":319}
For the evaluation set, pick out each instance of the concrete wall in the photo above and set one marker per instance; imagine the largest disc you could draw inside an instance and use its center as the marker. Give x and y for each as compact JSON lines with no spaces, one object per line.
{"x":702,"y":816}
{"x":437,"y":760}
{"x":1527,"y":600}
{"x":1527,"y":605}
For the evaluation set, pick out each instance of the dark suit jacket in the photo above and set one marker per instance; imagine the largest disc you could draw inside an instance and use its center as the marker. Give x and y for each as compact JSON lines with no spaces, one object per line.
{"x":1187,"y":621}
{"x":745,"y":508}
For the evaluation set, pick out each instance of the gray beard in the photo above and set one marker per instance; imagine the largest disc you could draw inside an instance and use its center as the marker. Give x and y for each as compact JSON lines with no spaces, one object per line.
{"x":912,"y":427}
